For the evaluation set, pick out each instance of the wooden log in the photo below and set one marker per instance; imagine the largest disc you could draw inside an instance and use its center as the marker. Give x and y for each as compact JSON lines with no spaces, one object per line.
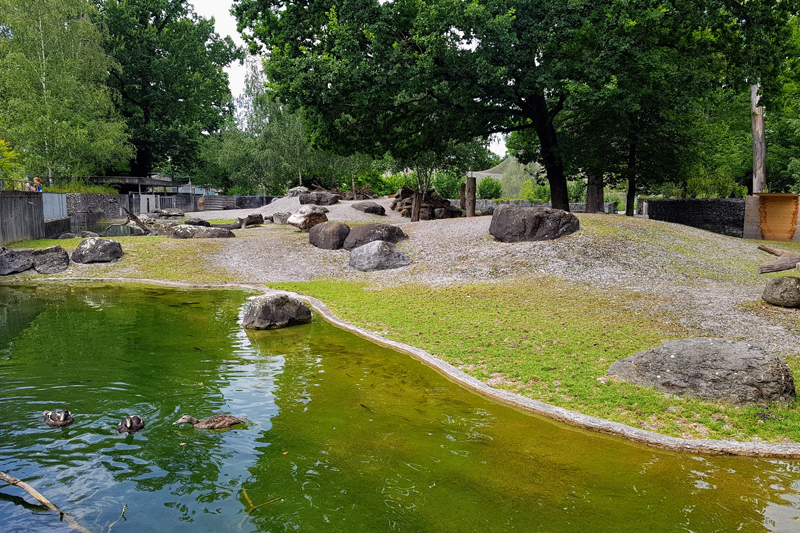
{"x":785,"y":262}
{"x":44,"y":501}
{"x":471,"y":190}
{"x":242,"y":222}
{"x":776,"y":251}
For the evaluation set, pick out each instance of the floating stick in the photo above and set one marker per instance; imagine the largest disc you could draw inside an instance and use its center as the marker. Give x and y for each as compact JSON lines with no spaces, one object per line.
{"x":44,"y":501}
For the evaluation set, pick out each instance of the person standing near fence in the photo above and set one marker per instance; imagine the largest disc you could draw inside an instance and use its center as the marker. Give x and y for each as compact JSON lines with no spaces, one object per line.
{"x":37,"y":184}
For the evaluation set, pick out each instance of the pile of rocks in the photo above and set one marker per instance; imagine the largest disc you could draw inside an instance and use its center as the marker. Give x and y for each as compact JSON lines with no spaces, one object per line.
{"x":433,"y":206}
{"x":55,"y":259}
{"x":372,"y":246}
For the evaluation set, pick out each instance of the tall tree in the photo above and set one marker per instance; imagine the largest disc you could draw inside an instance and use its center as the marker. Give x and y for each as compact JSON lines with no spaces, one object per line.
{"x":54,"y":104}
{"x":170,"y":79}
{"x":408,"y":76}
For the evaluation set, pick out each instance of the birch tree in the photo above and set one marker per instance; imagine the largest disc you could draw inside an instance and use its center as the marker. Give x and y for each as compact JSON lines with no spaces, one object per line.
{"x":54,"y":104}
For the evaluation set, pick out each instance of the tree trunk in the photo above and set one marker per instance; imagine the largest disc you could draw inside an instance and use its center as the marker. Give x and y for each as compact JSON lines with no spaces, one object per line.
{"x":353,"y":181}
{"x":631,"y":196}
{"x":542,"y":118}
{"x":416,"y":204}
{"x":594,"y":193}
{"x":471,"y":187}
{"x":759,"y":143}
{"x":143,"y":164}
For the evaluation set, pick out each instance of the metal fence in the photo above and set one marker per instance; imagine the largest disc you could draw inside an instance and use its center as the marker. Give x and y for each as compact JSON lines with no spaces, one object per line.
{"x":21,"y":216}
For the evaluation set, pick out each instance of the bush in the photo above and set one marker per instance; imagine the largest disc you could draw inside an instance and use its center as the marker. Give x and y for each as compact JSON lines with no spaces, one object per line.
{"x":539,"y":194}
{"x":716,"y":185}
{"x":576,"y":191}
{"x":391,"y":184}
{"x":489,"y":189}
{"x":448,"y":184}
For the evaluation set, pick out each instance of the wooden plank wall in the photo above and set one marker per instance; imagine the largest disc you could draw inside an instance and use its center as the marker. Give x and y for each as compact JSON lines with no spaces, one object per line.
{"x":21,"y":216}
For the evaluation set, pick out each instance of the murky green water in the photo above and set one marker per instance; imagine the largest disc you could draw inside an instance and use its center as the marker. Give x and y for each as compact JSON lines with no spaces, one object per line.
{"x":350,"y":436}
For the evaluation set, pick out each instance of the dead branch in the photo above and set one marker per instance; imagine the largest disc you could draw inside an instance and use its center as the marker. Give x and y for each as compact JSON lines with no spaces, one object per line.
{"x":134,"y":218}
{"x":44,"y":501}
{"x":787,"y":260}
{"x":121,"y":517}
{"x":776,"y":251}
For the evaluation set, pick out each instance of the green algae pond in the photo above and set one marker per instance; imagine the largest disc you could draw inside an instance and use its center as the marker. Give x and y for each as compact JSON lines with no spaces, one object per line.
{"x":342,"y":435}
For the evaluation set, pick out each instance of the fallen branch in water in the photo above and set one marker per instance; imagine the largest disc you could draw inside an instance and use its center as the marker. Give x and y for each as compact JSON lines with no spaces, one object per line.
{"x":254,"y":507}
{"x":121,"y":517}
{"x":44,"y":501}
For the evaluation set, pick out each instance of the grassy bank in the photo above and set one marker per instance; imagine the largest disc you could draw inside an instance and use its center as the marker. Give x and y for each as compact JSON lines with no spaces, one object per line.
{"x":551,"y":341}
{"x":187,"y":260}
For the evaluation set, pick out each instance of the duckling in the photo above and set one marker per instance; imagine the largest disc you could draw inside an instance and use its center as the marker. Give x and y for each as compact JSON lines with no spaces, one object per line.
{"x":131,"y":424}
{"x":58,"y":419}
{"x":212,"y":422}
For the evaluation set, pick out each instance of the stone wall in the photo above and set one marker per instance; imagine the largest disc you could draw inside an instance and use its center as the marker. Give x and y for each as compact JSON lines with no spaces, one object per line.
{"x":719,"y":215}
{"x":107,"y":204}
{"x":489,"y":205}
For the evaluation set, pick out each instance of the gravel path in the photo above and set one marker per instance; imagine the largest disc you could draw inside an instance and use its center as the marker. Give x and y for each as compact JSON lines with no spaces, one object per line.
{"x":612,"y":255}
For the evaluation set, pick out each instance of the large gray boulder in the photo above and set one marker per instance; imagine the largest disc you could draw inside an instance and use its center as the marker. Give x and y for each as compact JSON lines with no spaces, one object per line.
{"x":185,"y":231}
{"x":307,"y":221}
{"x":297,"y":191}
{"x":369,"y":207}
{"x":329,"y":235}
{"x":273,"y":311}
{"x":15,"y":261}
{"x":512,"y":223}
{"x":378,"y":255}
{"x":319,"y":198}
{"x":784,"y":291}
{"x":361,"y":235}
{"x":50,"y":260}
{"x":281,"y":218}
{"x":311,"y":208}
{"x":97,"y":250}
{"x":714,"y":369}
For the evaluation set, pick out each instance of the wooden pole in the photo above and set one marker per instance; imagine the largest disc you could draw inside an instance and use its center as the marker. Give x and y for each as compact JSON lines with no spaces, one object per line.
{"x":463,"y":196}
{"x":759,"y":142}
{"x":416,"y":205}
{"x":471,"y":189}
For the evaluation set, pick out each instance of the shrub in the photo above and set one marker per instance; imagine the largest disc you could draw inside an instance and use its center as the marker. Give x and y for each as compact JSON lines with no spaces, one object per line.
{"x":576,"y":190}
{"x":448,"y":184}
{"x":539,"y":194}
{"x":489,"y":189}
{"x":714,"y":185}
{"x":391,"y":184}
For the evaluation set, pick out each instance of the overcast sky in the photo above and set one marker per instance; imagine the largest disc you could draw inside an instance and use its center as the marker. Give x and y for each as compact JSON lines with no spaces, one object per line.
{"x":225,"y":24}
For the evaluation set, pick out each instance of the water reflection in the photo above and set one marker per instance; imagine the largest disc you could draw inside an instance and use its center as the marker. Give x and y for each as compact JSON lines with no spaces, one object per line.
{"x":342,"y":435}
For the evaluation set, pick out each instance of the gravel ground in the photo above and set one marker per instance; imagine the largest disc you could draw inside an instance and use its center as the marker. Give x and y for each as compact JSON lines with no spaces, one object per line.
{"x":613,"y":256}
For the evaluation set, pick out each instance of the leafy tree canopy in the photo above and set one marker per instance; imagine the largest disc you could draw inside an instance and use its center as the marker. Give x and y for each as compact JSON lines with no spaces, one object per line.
{"x":170,"y":81}
{"x":411,"y":76}
{"x":54,"y":105}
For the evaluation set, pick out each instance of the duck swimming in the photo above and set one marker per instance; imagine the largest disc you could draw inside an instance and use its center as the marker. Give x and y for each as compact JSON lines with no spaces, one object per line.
{"x":58,"y":419}
{"x":212,"y":422}
{"x":131,"y":424}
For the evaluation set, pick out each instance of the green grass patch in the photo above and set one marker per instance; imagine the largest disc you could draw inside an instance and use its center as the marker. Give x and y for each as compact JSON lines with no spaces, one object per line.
{"x":186,"y":260}
{"x":550,"y":340}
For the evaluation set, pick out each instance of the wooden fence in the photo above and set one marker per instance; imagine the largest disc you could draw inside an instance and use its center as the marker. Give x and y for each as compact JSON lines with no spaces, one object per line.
{"x":21,"y":216}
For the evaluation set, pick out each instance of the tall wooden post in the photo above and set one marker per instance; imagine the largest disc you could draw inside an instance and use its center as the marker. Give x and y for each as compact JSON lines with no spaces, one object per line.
{"x":463,"y":196}
{"x":471,"y":188}
{"x":759,"y":143}
{"x":416,"y":205}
